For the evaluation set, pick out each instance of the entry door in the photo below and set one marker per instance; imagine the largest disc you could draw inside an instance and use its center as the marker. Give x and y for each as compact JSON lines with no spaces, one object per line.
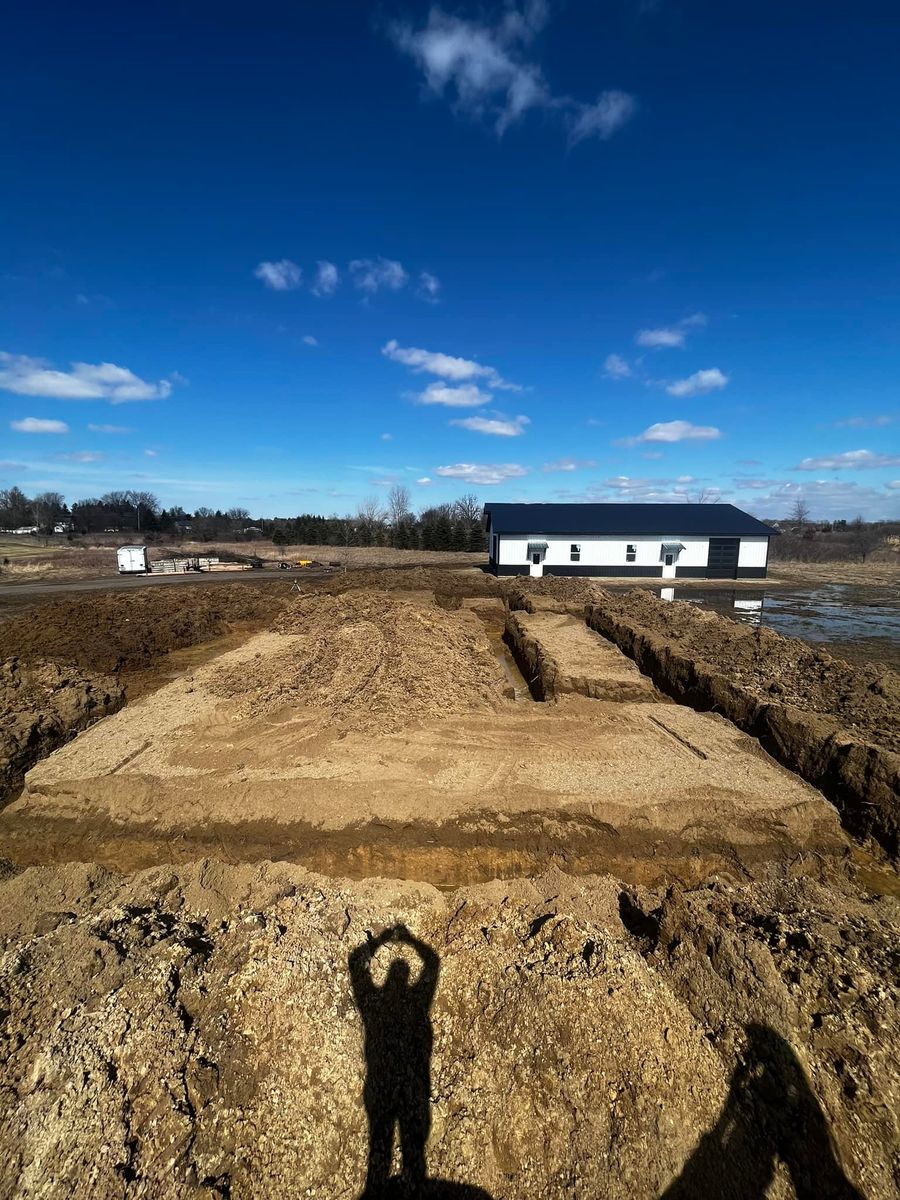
{"x":536,"y":567}
{"x":669,"y":566}
{"x":722,"y":562}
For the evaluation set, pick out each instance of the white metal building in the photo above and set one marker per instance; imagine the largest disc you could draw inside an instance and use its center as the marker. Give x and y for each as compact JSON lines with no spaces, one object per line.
{"x":666,"y":541}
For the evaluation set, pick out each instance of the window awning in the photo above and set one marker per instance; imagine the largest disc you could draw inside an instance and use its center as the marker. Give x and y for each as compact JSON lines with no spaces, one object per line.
{"x":535,"y":546}
{"x":671,"y":547}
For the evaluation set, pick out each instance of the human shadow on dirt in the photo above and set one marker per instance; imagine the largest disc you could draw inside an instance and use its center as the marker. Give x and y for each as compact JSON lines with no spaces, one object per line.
{"x":770,"y":1113}
{"x":397,"y":1093}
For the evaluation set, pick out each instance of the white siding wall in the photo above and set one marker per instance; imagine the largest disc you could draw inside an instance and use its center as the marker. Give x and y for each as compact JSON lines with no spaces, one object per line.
{"x":754,"y":552}
{"x":598,"y":551}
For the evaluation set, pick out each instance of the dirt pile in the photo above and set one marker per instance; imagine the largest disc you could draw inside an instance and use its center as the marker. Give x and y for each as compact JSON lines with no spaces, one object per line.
{"x":551,"y":594}
{"x":372,"y":662}
{"x":416,"y":579}
{"x":864,"y":699}
{"x":42,"y":705}
{"x":127,"y":630}
{"x":224,"y":1032}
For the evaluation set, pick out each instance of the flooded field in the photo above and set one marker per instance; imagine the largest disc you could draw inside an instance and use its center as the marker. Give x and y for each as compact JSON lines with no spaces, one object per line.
{"x":861,"y":624}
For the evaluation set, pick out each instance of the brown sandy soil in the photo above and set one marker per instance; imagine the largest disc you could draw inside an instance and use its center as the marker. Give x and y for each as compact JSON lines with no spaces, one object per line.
{"x":864,"y":699}
{"x":199,"y":1032}
{"x":279,"y":747}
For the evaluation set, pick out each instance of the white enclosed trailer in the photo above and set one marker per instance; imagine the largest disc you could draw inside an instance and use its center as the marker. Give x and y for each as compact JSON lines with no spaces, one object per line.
{"x":133,"y":560}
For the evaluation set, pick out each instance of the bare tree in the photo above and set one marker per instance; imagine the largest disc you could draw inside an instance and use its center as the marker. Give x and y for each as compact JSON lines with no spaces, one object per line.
{"x":800,"y":512}
{"x":864,"y":538}
{"x":15,"y":508}
{"x":468,"y":507}
{"x":398,"y":509}
{"x":370,"y":515}
{"x":47,"y":508}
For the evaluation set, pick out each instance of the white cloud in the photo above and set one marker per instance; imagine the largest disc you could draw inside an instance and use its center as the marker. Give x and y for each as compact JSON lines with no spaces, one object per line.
{"x":658,"y":339}
{"x":849,"y":459}
{"x":152,"y":453}
{"x":670,"y":336}
{"x":424,"y":481}
{"x":309,"y":340}
{"x":429,"y":286}
{"x":568,"y":464}
{"x":110,"y":429}
{"x":828,"y":499}
{"x":616,"y":367}
{"x":709,"y":380}
{"x":484,"y":473}
{"x":895,"y":484}
{"x":676,"y":431}
{"x":371,"y":275}
{"x":86,"y":381}
{"x":281,"y":276}
{"x":612,"y":110}
{"x":467,"y":395}
{"x":84,"y":456}
{"x":447,"y":366}
{"x":38,"y":425}
{"x":484,"y":70}
{"x":328,"y":277}
{"x":387,"y":437}
{"x":498,"y":424}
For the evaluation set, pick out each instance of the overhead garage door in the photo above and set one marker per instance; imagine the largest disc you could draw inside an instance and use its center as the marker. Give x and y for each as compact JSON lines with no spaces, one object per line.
{"x":723,"y":558}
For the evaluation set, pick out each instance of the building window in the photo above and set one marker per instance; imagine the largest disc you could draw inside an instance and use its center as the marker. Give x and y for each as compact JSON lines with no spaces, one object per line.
{"x":575,"y":552}
{"x":630,"y":553}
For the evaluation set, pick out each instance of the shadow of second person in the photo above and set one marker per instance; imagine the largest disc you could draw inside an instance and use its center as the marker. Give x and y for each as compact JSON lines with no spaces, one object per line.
{"x":398,"y":1044}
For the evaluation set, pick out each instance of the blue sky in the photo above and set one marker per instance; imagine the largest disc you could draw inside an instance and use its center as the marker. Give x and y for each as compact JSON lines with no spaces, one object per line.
{"x":285,"y":255}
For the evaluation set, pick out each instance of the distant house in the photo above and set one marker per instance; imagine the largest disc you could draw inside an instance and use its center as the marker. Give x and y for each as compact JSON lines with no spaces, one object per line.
{"x":666,"y":541}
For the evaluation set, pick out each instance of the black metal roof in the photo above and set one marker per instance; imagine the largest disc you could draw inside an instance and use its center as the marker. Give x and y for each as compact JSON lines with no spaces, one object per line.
{"x":684,"y":520}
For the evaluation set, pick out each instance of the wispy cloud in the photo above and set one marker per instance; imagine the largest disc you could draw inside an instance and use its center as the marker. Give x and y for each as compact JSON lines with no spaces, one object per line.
{"x":281,"y":276}
{"x":110,"y":429}
{"x":485,"y":70}
{"x":674,"y":431}
{"x":709,"y":380}
{"x":327,"y":279}
{"x":670,"y":336}
{"x":85,"y":381}
{"x":617,"y":367}
{"x":465,"y":395}
{"x":498,"y":425}
{"x":612,"y":110}
{"x":483,"y":473}
{"x":38,"y":425}
{"x":83,"y":456}
{"x":372,"y":275}
{"x":429,"y":287}
{"x":446,"y":366}
{"x":309,"y":340}
{"x":850,"y":459}
{"x":876,"y":422}
{"x":568,"y":464}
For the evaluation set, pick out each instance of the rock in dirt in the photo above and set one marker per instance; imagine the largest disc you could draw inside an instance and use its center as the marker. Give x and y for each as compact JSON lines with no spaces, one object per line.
{"x":213,"y":1031}
{"x":372,"y":661}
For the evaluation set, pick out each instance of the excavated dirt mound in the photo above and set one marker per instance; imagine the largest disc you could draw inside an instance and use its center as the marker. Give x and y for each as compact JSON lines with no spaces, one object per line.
{"x":373,"y":662}
{"x":126,"y":630}
{"x":416,"y":579}
{"x":213,"y":1031}
{"x":864,"y":699}
{"x":41,"y":706}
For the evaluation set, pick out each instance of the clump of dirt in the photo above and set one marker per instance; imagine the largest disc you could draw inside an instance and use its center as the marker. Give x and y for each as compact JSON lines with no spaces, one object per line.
{"x":119,"y":631}
{"x":373,"y":662}
{"x":222,"y":1031}
{"x":41,"y":706}
{"x":862,"y":698}
{"x":568,"y":592}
